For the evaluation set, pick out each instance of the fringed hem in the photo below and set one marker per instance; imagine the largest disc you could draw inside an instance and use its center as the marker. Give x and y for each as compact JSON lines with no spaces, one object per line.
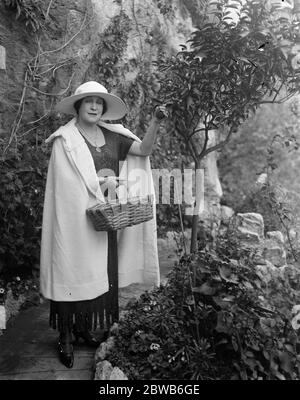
{"x":84,"y":315}
{"x":102,"y":311}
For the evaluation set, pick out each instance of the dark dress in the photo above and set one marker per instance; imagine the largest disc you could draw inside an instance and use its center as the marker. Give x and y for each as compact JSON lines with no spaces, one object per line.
{"x":103,"y":310}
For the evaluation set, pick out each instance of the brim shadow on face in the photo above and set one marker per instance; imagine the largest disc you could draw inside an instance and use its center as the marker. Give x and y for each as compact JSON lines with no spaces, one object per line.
{"x":116,"y":108}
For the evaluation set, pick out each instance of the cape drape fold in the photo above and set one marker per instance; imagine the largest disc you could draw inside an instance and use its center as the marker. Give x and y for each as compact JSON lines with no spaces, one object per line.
{"x":73,"y":263}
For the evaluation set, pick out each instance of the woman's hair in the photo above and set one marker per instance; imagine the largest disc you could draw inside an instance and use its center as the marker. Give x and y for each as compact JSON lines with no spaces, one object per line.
{"x":77,"y":105}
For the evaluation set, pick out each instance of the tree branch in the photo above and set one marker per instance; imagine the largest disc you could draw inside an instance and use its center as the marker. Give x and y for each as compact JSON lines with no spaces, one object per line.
{"x":54,"y":94}
{"x":281,"y":101}
{"x":196,"y":131}
{"x":188,"y":143}
{"x":82,"y":27}
{"x":278,"y":91}
{"x":48,"y":10}
{"x":217,"y":146}
{"x":194,"y":147}
{"x":19,"y":115}
{"x":205,"y":143}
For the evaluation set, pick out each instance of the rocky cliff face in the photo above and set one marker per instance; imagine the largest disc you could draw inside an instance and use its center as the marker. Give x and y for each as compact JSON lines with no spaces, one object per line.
{"x":76,"y":42}
{"x":113,"y":42}
{"x":40,"y":65}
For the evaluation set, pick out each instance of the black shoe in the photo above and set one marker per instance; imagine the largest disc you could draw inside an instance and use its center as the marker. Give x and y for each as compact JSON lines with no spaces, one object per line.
{"x":65,"y":351}
{"x":87,"y":337}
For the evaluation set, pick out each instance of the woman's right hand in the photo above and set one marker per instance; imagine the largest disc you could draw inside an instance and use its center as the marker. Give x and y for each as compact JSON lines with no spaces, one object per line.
{"x":160,"y":113}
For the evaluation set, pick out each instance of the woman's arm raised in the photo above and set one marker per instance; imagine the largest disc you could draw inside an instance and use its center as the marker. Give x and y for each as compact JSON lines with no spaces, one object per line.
{"x":144,"y":148}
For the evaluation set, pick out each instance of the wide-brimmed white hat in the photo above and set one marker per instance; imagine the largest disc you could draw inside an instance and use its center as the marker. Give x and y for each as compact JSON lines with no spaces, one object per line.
{"x":116,"y":108}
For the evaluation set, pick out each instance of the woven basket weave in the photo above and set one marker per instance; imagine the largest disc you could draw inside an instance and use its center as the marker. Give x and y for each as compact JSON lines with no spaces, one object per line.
{"x":111,"y":216}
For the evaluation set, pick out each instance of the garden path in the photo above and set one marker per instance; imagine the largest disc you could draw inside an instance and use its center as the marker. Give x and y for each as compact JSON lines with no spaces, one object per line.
{"x":28,"y":346}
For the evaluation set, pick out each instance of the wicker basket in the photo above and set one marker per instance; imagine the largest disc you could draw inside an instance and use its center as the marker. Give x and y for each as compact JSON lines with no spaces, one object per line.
{"x":111,"y":216}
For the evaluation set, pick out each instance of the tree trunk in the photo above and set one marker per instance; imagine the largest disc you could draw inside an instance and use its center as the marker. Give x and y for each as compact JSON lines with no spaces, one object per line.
{"x":195,"y":219}
{"x":194,"y":241}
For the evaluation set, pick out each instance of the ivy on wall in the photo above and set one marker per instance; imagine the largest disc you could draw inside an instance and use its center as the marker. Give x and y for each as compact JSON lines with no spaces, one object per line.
{"x":29,"y":11}
{"x":106,"y":60}
{"x":166,"y":7}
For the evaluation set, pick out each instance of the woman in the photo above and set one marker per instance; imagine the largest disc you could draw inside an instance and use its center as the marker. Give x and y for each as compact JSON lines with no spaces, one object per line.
{"x":81,"y":268}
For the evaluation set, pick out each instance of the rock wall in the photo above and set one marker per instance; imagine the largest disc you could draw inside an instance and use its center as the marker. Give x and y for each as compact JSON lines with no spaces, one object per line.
{"x":54,"y":62}
{"x":269,"y":249}
{"x":40,"y":66}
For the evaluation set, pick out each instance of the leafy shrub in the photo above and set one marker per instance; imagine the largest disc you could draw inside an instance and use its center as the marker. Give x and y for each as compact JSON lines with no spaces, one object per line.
{"x":262,"y":200}
{"x":22,"y":184}
{"x":28,"y":10}
{"x":280,"y":210}
{"x":253,"y":150}
{"x":215,"y":319}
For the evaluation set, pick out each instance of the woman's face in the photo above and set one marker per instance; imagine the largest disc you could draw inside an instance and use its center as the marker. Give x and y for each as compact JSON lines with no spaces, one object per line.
{"x":91,"y":109}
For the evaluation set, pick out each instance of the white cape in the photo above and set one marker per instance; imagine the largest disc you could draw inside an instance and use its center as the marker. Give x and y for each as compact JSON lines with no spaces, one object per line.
{"x":73,"y":264}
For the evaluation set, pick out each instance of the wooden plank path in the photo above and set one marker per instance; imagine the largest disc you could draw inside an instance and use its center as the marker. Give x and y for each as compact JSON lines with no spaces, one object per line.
{"x":28,"y":346}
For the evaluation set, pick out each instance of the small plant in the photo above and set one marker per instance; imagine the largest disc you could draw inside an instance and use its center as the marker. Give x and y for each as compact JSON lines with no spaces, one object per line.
{"x":278,"y":205}
{"x":166,"y":8}
{"x":22,"y":192}
{"x":111,"y":49}
{"x":28,"y":10}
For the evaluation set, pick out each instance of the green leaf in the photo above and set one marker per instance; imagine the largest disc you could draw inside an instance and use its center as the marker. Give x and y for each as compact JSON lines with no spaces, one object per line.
{"x":201,"y":55}
{"x":224,"y":303}
{"x":289,"y":348}
{"x":226,"y":274}
{"x":244,"y":33}
{"x":279,"y":375}
{"x":221,"y":327}
{"x":190,"y":102}
{"x":244,"y":59}
{"x":267,"y":325}
{"x":205,"y":289}
{"x":285,"y":362}
{"x":234,"y":344}
{"x":233,"y":6}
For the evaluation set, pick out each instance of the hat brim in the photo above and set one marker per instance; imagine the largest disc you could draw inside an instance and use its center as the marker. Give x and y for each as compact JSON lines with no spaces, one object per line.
{"x":116,"y":108}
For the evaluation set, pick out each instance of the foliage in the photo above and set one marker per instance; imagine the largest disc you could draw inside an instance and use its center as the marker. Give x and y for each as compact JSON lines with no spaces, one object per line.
{"x":274,"y":197}
{"x":111,"y":49}
{"x":28,"y":10}
{"x":15,"y":287}
{"x":269,"y":198}
{"x":22,"y":194}
{"x":228,"y":70}
{"x":215,"y":319}
{"x":280,"y":211}
{"x":265,"y":141}
{"x":166,"y":7}
{"x":167,"y":218}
